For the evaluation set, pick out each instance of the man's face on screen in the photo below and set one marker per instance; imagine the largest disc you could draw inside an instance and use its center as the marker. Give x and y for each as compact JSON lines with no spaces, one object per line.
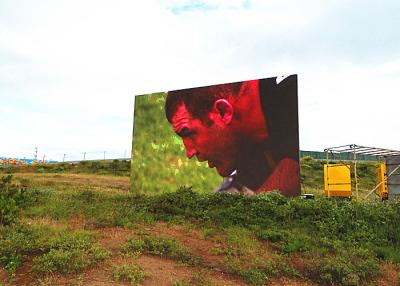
{"x":209,"y":140}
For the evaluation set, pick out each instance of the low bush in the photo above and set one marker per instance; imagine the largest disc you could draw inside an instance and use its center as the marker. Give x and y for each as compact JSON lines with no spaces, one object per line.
{"x":69,"y":253}
{"x":55,"y":250}
{"x":13,"y":197}
{"x":259,"y":271}
{"x":131,"y":273}
{"x":201,"y":278}
{"x":161,"y":246}
{"x":180,"y":282}
{"x":350,"y":267}
{"x":8,"y":200}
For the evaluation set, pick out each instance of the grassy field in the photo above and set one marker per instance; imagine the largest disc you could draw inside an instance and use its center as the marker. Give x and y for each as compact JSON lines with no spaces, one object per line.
{"x":87,"y":229}
{"x":88,"y":223}
{"x":99,"y":167}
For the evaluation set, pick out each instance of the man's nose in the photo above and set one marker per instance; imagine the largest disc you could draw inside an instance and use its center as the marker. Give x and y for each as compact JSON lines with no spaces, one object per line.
{"x":190,"y":150}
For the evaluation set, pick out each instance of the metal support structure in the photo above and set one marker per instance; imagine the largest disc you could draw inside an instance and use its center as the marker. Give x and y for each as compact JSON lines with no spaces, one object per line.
{"x":377,"y":186}
{"x":361,"y":150}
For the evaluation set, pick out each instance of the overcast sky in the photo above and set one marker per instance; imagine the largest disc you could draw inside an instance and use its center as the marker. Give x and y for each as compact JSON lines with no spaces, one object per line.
{"x":69,"y":70}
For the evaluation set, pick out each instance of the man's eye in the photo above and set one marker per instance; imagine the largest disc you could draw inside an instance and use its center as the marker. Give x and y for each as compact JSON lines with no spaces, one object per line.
{"x":189,"y":134}
{"x":185,"y":133}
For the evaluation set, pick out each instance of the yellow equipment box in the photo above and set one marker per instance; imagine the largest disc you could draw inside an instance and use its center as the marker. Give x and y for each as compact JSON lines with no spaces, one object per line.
{"x":382,"y":190}
{"x":337,"y":180}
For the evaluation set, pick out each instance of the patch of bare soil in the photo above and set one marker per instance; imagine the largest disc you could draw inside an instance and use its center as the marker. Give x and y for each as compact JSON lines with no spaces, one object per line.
{"x":3,"y":275}
{"x":390,"y":275}
{"x":289,"y":282}
{"x":23,"y":275}
{"x":298,"y":262}
{"x":113,"y":238}
{"x":162,"y":271}
{"x":193,"y":240}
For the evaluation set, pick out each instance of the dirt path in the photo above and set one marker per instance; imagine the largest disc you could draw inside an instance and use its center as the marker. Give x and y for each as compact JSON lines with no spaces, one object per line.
{"x":162,"y":271}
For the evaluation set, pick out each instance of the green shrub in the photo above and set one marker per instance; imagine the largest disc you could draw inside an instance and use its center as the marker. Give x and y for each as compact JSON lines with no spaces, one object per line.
{"x":61,"y":261}
{"x":19,"y":240}
{"x":238,"y":242}
{"x":259,"y":271}
{"x":13,"y":197}
{"x":131,"y":273}
{"x":161,"y":246}
{"x":346,"y":267}
{"x":56,"y":250}
{"x":201,"y":278}
{"x":11,"y":263}
{"x":388,"y":252}
{"x":288,"y":240}
{"x":8,"y":204}
{"x":133,"y":247}
{"x":71,"y":255}
{"x":180,"y":282}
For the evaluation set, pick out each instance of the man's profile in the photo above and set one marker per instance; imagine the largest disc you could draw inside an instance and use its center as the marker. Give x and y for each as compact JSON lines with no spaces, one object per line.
{"x":247,"y":131}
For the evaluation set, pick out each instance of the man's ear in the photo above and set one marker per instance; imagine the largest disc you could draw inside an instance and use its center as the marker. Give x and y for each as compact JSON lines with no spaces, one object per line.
{"x":224,"y":109}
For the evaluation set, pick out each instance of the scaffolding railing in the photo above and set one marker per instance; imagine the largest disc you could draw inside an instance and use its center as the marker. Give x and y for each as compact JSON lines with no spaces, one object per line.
{"x":358,"y":150}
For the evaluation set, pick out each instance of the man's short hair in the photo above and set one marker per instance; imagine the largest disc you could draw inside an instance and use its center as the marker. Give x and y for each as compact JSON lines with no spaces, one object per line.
{"x":199,"y":101}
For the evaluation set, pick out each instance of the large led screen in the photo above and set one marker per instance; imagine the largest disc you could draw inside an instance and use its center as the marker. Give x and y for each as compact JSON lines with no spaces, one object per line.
{"x":239,"y":137}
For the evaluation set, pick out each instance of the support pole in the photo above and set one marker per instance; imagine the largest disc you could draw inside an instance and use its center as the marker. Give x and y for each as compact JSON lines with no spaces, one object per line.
{"x":35,"y":156}
{"x":355,"y":170}
{"x":327,"y":173}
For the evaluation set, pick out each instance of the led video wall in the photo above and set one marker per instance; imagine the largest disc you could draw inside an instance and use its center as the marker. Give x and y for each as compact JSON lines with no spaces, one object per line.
{"x":239,"y":137}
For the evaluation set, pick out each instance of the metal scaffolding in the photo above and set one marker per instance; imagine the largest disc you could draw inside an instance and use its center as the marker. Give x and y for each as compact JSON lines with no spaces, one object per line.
{"x":361,"y":150}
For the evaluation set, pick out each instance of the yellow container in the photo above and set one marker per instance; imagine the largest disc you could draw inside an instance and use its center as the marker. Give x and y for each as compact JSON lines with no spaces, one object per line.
{"x":382,"y":190}
{"x":337,"y":180}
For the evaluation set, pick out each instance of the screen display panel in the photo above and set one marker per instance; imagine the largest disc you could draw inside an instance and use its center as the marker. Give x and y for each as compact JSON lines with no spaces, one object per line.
{"x":239,"y":137}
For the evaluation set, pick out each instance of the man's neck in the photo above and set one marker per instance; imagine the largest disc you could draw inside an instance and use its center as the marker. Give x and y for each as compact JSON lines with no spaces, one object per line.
{"x":255,"y":166}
